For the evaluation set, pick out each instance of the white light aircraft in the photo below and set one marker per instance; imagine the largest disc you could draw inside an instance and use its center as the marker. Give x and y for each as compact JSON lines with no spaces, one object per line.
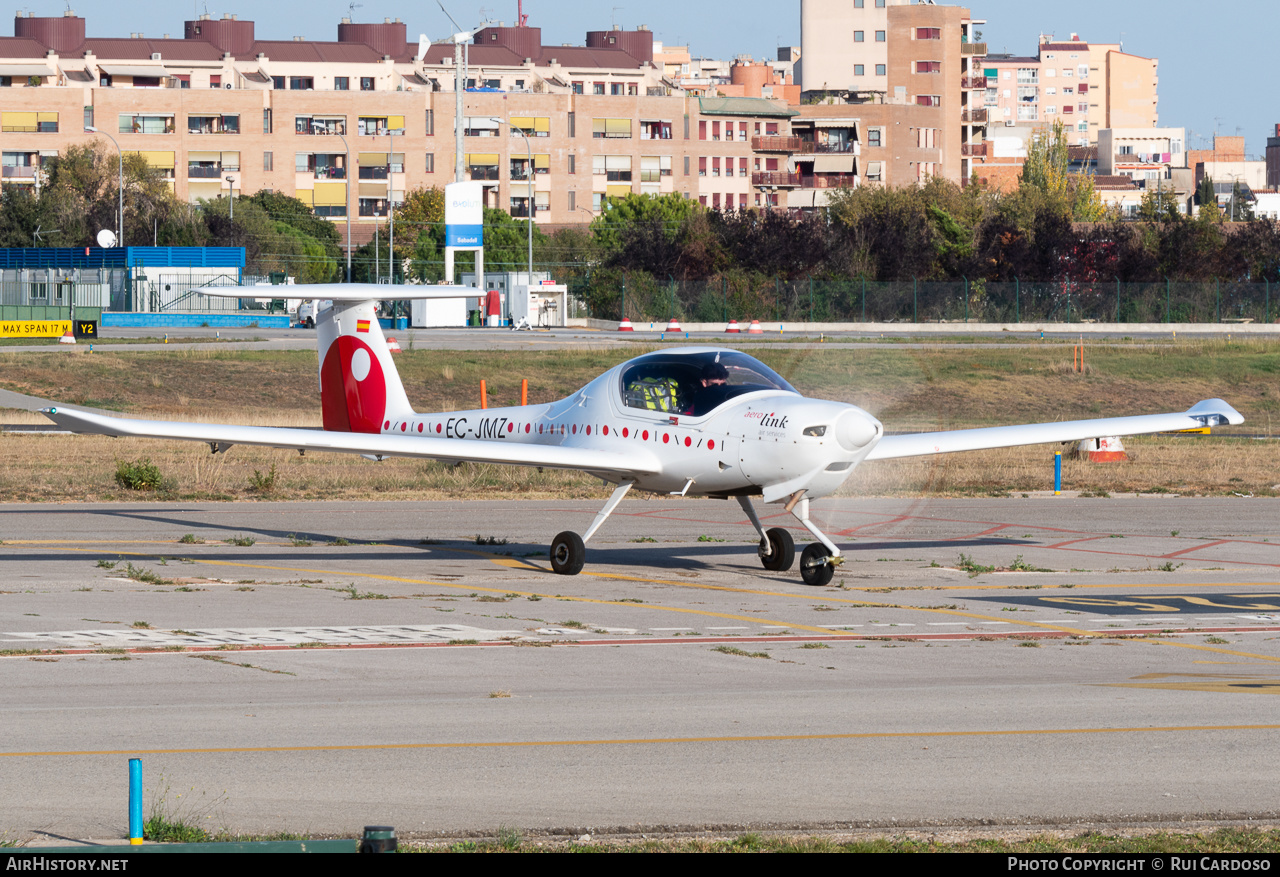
{"x":692,"y":421}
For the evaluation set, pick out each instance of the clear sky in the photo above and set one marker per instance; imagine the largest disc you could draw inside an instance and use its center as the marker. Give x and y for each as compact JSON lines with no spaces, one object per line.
{"x":1231,"y":42}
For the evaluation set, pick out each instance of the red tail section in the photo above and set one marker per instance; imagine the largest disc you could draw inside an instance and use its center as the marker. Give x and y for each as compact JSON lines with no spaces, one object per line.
{"x":360,"y":389}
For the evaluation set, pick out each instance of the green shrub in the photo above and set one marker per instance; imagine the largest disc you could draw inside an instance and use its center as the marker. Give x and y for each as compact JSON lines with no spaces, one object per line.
{"x":138,"y":475}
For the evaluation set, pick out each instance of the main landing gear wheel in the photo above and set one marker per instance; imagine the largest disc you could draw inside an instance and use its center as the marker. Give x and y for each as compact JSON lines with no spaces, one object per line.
{"x":568,"y":554}
{"x":815,"y":565}
{"x":782,"y":550}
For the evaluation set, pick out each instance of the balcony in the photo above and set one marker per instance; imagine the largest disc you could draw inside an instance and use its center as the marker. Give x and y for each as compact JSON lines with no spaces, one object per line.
{"x":483,"y":172}
{"x":973,"y":48}
{"x":330,"y":173}
{"x":829,"y":181}
{"x":196,"y":172}
{"x":972,"y":149}
{"x":19,"y":172}
{"x":775,"y":178}
{"x":775,"y":143}
{"x":973,"y":82}
{"x":373,"y":172}
{"x":974,"y":117}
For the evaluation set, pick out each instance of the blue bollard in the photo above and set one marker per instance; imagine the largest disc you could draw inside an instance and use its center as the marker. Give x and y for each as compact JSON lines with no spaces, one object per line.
{"x":135,"y":801}
{"x":1057,"y":473}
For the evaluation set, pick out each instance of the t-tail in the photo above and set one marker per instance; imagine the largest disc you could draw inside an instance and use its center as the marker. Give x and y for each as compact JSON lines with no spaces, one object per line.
{"x":360,"y":389}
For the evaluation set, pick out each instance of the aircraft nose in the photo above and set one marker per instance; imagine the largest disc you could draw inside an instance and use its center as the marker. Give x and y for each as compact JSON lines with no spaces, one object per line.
{"x":855,"y":429}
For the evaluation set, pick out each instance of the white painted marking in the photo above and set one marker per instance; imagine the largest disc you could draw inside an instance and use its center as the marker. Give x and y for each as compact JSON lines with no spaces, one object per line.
{"x":360,"y":364}
{"x":993,"y":622}
{"x":277,"y":636}
{"x":947,"y":623}
{"x":900,"y":624}
{"x":728,"y":628}
{"x":665,"y":629}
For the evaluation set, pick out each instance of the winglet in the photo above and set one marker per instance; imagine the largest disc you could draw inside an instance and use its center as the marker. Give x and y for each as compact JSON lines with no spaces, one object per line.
{"x":1215,"y":412}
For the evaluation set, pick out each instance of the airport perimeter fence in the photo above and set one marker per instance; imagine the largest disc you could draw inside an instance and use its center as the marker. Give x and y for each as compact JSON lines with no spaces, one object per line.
{"x":641,"y":298}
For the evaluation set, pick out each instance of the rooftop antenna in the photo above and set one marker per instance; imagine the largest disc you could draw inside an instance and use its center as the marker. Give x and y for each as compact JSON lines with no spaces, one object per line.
{"x":613,"y":19}
{"x":351,"y":10}
{"x":522,"y":20}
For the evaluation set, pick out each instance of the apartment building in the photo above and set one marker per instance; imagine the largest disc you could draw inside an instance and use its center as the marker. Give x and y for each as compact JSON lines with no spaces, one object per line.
{"x":1086,"y":86}
{"x":349,"y":126}
{"x":893,"y":95}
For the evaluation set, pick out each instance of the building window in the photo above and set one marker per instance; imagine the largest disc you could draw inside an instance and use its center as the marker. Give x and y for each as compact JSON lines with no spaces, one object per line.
{"x":277,"y":82}
{"x":597,"y":88}
{"x":138,"y":123}
{"x":611,"y":129}
{"x":301,"y":83}
{"x":341,"y":83}
{"x":320,"y":125}
{"x":431,"y":162}
{"x":88,"y":117}
{"x":616,"y":88}
{"x":573,"y":124}
{"x":928,"y":66}
{"x":655,"y":130}
{"x":366,"y":83}
{"x":530,"y":126}
{"x":215,"y":81}
{"x":879,"y":4}
{"x":577,"y":88}
{"x":928,"y":33}
{"x":268,"y":161}
{"x":213,"y":124}
{"x":859,"y":69}
{"x":266,"y":121}
{"x":858,"y":36}
{"x":431,"y":123}
{"x":686,"y":165}
{"x":880,"y":68}
{"x":873,"y":136}
{"x":573,"y":163}
{"x":573,"y":200}
{"x":879,"y":36}
{"x":858,"y":4}
{"x":929,"y":100}
{"x":1029,"y":75}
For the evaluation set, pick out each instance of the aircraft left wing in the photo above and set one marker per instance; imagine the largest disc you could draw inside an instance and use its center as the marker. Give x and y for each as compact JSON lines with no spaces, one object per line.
{"x":636,"y":461}
{"x":1210,"y":412}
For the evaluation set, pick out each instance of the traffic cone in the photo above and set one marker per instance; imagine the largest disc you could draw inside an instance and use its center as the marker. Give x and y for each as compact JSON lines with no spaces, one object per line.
{"x":732,"y":328}
{"x":67,"y":338}
{"x":625,"y":326}
{"x":393,"y":345}
{"x":673,"y":325}
{"x":754,"y":328}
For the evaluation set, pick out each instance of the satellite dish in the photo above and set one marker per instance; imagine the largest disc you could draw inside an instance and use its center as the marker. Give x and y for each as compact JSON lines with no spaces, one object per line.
{"x":106,"y":238}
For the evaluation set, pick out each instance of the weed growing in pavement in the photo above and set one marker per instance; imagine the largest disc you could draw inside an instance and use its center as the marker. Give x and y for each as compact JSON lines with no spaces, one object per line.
{"x":138,"y":574}
{"x":730,"y":650}
{"x":575,"y":624}
{"x":1168,"y":566}
{"x":242,"y":541}
{"x":107,"y":564}
{"x":179,"y":822}
{"x":353,"y":594}
{"x":501,"y":692}
{"x":973,"y":569}
{"x":489,"y":540}
{"x":299,"y":541}
{"x":191,"y":539}
{"x":339,"y":542}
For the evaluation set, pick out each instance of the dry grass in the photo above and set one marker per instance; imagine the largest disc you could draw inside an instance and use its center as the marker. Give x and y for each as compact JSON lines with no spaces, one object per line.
{"x":944,"y":387}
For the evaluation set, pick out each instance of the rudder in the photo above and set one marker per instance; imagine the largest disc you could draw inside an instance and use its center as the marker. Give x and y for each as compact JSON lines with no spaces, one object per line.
{"x":360,"y":389}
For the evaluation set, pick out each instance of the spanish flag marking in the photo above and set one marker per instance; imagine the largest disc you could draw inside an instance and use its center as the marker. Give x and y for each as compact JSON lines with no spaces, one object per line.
{"x":362,"y":325}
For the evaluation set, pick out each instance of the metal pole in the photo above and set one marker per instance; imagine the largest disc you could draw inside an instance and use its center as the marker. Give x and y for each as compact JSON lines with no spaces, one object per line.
{"x":391,"y":207}
{"x":348,"y":171}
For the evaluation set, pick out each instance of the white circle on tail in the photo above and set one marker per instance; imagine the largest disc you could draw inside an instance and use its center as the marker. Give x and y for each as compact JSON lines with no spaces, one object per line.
{"x":360,"y":364}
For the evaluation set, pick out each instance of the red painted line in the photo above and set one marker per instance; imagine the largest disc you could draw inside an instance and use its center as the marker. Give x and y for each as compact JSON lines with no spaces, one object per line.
{"x":1198,"y":547}
{"x":1076,"y":542}
{"x":986,"y":532}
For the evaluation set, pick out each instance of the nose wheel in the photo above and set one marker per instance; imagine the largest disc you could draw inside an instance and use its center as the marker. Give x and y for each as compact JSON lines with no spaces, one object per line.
{"x":817,"y":566}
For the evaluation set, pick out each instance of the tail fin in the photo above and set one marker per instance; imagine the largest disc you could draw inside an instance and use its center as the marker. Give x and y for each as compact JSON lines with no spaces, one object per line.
{"x":360,"y":389}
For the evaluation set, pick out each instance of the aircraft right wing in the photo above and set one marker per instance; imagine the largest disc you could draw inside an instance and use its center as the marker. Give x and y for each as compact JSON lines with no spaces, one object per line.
{"x":1210,"y":412}
{"x":636,"y":461}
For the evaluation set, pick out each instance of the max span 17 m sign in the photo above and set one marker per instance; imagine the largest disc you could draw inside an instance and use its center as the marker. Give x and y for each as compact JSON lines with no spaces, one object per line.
{"x":48,"y":328}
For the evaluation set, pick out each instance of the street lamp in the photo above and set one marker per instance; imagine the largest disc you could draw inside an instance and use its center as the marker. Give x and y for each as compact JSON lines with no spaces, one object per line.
{"x":120,"y":219}
{"x":348,"y":171}
{"x":529,"y":171}
{"x":391,"y":201}
{"x":231,"y":184}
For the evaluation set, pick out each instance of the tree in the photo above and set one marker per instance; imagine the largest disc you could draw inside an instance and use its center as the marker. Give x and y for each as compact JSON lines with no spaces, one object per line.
{"x":1047,"y":168}
{"x":661,"y":214}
